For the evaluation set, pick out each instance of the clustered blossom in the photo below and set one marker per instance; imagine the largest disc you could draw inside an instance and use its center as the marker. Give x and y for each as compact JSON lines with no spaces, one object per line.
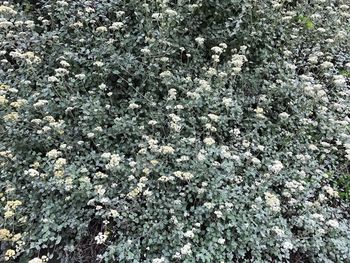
{"x":221,"y":241}
{"x":4,"y":9}
{"x":117,"y":26}
{"x":200,"y":40}
{"x":114,"y":160}
{"x":134,"y":106}
{"x":333,"y":223}
{"x":165,"y":149}
{"x":10,"y":253}
{"x":189,"y":234}
{"x":158,"y":260}
{"x":276,"y":167}
{"x":209,"y":141}
{"x":101,"y":238}
{"x":272,"y":201}
{"x":237,"y":62}
{"x":186,"y":249}
{"x":36,"y":260}
{"x":5,"y":234}
{"x":183,"y":175}
{"x":53,"y":154}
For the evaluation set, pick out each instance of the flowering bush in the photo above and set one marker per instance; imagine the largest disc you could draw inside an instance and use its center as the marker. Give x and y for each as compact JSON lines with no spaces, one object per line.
{"x":174,"y":131}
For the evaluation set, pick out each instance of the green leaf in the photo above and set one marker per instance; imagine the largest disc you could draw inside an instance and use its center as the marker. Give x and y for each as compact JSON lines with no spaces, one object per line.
{"x":345,"y":73}
{"x":306,"y":21}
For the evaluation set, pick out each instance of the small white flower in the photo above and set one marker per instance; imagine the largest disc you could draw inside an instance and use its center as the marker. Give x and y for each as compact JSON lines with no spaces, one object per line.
{"x":101,"y":238}
{"x":98,"y":63}
{"x":5,"y":24}
{"x":166,"y":74}
{"x":64,"y":64}
{"x":40,"y":103}
{"x":313,"y":59}
{"x":326,"y":65}
{"x":272,"y":201}
{"x":61,"y":72}
{"x":164,"y":59}
{"x":218,"y":214}
{"x":213,"y":117}
{"x":158,"y":260}
{"x":170,"y":12}
{"x":134,"y":106}
{"x":312,"y":147}
{"x":106,"y":155}
{"x":276,"y":167}
{"x":114,"y":162}
{"x":102,"y":86}
{"x":209,"y":141}
{"x":52,"y":79}
{"x":62,"y":3}
{"x":117,"y":26}
{"x":114,"y":213}
{"x":216,"y":58}
{"x":199,"y":40}
{"x":90,"y":135}
{"x":223,"y":45}
{"x":284,"y":115}
{"x":221,"y":241}
{"x":179,"y":107}
{"x":80,"y":76}
{"x":101,"y":29}
{"x":7,"y":10}
{"x":259,"y":110}
{"x":339,"y":80}
{"x":35,"y":260}
{"x":120,"y":13}
{"x":201,"y":156}
{"x":157,"y":16}
{"x":333,"y":223}
{"x":32,"y":172}
{"x":172,"y":94}
{"x":189,"y":234}
{"x":216,"y":50}
{"x":152,"y":122}
{"x":255,"y":160}
{"x":186,"y":249}
{"x":329,"y":190}
{"x":167,"y":149}
{"x":53,"y":154}
{"x":287,"y":245}
{"x":145,"y":51}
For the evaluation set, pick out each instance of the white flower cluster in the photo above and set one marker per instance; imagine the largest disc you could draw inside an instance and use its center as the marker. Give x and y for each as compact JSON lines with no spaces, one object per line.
{"x":101,"y":238}
{"x":183,"y":175}
{"x":276,"y":167}
{"x":166,"y":149}
{"x":114,"y":160}
{"x":237,"y":62}
{"x":272,"y":201}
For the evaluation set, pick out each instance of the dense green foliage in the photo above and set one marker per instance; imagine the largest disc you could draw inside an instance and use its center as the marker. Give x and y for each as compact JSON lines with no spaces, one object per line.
{"x":174,"y":131}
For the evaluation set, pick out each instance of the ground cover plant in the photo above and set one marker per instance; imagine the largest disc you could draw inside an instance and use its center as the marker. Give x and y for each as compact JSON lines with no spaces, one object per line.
{"x":174,"y":131}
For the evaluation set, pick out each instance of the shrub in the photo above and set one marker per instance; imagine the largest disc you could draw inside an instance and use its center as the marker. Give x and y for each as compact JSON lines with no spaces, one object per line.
{"x":174,"y":131}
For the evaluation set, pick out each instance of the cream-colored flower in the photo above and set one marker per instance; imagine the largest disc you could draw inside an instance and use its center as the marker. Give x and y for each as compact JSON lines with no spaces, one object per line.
{"x":166,"y":149}
{"x":5,"y":234}
{"x":10,"y":253}
{"x":101,"y":29}
{"x":35,"y":260}
{"x":7,"y":10}
{"x":10,"y":117}
{"x":209,"y":141}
